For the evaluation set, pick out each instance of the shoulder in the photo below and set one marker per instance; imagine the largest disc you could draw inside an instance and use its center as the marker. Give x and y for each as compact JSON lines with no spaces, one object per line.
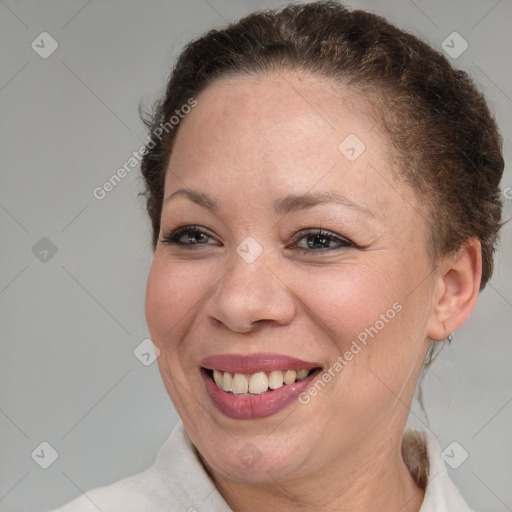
{"x":422,"y":455}
{"x":143,"y":491}
{"x":175,"y":482}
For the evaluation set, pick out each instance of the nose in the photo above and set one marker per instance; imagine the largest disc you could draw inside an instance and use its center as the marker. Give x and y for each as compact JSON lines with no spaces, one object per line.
{"x":250,"y":295}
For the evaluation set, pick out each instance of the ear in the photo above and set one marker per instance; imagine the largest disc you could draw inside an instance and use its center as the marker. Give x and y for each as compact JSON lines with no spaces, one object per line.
{"x":457,"y":289}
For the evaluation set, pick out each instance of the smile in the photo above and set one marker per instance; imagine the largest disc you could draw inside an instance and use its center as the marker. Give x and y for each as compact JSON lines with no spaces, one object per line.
{"x":256,"y":383}
{"x":255,"y":386}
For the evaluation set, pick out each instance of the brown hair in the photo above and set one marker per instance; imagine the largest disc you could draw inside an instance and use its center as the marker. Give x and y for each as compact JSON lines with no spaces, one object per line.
{"x":446,"y":140}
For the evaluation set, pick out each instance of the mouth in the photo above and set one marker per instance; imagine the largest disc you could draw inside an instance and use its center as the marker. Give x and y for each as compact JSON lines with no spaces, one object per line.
{"x":244,"y":384}
{"x":256,"y":386}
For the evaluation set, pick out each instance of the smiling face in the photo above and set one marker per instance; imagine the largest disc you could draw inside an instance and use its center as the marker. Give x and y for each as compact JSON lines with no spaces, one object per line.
{"x":252,"y":284}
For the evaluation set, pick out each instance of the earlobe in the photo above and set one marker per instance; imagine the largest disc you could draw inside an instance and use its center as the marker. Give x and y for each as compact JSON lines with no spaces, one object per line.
{"x":458,"y":286}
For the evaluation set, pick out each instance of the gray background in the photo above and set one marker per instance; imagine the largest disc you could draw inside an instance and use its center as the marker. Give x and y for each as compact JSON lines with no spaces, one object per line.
{"x":70,"y":324}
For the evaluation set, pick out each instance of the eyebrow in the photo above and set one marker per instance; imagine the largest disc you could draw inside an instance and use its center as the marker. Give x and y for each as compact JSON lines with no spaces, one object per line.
{"x":283,"y":205}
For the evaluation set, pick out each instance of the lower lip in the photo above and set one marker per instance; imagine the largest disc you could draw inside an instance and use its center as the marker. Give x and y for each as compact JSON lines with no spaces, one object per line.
{"x":257,"y":406}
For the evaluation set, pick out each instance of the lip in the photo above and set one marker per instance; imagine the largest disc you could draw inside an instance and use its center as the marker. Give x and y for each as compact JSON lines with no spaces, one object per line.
{"x":256,"y":406}
{"x":240,"y":407}
{"x":252,"y":363}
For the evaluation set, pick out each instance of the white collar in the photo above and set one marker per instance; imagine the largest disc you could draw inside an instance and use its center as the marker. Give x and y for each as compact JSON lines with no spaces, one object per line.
{"x":422,"y":455}
{"x":420,"y":449}
{"x":178,"y":482}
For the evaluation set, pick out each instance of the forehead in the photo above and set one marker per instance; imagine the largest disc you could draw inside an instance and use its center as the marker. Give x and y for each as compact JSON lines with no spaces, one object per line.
{"x":279,"y":133}
{"x":266,"y":112}
{"x":279,"y":108}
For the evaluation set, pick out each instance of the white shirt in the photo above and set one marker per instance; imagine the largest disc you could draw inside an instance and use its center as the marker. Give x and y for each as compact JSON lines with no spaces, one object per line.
{"x":178,"y":482}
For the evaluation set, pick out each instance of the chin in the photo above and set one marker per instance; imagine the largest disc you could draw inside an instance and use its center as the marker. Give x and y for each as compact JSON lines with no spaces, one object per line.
{"x":254,"y":459}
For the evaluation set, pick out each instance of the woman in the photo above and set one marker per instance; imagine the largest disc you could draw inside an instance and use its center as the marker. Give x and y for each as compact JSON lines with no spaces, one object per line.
{"x":324,"y":195}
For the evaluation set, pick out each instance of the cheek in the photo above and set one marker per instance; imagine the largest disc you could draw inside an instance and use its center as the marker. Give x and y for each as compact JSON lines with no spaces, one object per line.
{"x":171,"y":292}
{"x":347,"y":301}
{"x":372,"y":322}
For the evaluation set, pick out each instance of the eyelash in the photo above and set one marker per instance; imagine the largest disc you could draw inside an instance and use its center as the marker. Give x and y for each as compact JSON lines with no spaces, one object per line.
{"x":174,"y":237}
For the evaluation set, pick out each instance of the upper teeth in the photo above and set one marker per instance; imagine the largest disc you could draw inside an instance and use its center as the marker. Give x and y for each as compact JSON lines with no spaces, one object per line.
{"x":257,"y":383}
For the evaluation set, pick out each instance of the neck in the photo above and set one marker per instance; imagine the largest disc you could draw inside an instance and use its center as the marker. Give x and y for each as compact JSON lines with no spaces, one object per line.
{"x":382,"y":483}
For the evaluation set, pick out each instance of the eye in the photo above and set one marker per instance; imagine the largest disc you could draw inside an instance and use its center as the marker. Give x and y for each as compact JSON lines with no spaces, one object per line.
{"x":319,"y":240}
{"x":187,"y":236}
{"x":316,"y":240}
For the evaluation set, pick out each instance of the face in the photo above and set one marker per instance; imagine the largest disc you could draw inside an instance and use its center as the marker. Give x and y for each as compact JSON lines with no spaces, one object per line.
{"x":295,"y":261}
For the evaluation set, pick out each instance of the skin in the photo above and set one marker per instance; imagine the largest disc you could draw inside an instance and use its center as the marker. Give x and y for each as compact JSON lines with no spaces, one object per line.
{"x":249,"y":141}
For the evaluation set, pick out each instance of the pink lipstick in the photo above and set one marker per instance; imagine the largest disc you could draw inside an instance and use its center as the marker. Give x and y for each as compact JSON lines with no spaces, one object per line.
{"x":244,"y":386}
